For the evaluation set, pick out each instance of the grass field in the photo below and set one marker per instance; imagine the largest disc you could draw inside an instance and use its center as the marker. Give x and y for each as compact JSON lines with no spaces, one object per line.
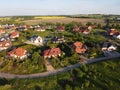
{"x":49,"y":17}
{"x":63,"y":20}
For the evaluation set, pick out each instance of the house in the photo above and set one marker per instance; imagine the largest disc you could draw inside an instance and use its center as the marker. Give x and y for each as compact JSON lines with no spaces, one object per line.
{"x":49,"y":26}
{"x":89,"y":27}
{"x":25,"y":27}
{"x":12,"y":26}
{"x":36,"y":39}
{"x":14,"y":35}
{"x":42,"y":29}
{"x":5,"y":45}
{"x":60,"y":28}
{"x":19,"y":53}
{"x":86,"y":31}
{"x":4,"y":38}
{"x":53,"y":52}
{"x":79,"y":47}
{"x":76,"y":29}
{"x":9,"y":26}
{"x":118,"y":19}
{"x":105,"y":46}
{"x":112,"y":48}
{"x":22,"y":28}
{"x":112,"y":32}
{"x":118,"y":36}
{"x":108,"y":47}
{"x":2,"y":31}
{"x":58,"y":39}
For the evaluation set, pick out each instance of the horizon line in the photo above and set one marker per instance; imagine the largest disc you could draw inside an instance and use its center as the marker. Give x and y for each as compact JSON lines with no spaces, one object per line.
{"x":56,"y":15}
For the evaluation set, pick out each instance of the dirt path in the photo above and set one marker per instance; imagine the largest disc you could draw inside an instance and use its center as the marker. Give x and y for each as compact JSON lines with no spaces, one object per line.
{"x":49,"y":66}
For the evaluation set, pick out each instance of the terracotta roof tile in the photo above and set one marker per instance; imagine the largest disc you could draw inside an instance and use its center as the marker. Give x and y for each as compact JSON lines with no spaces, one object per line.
{"x":13,"y":34}
{"x":51,"y":52}
{"x":18,"y":52}
{"x":79,"y":47}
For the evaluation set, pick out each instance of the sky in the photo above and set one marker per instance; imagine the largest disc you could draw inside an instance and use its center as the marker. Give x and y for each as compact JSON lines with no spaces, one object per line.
{"x":58,"y":7}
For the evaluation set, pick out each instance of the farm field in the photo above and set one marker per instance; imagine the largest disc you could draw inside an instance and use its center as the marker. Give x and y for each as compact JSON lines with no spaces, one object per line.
{"x":64,"y":20}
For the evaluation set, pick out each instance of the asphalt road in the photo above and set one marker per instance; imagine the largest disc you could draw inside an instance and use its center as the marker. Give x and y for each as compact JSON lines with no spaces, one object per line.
{"x":54,"y":72}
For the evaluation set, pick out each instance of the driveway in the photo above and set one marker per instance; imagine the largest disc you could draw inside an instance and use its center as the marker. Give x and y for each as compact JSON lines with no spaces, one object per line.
{"x":49,"y":66}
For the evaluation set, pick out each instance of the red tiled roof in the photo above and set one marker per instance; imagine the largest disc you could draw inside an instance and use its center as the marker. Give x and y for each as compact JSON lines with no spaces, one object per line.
{"x":81,"y":30}
{"x":79,"y":47}
{"x":12,"y":26}
{"x":112,"y":31}
{"x":2,"y":31}
{"x":52,"y":51}
{"x":86,"y":30}
{"x":59,"y":28}
{"x":3,"y":44}
{"x":18,"y":52}
{"x":14,"y":34}
{"x":78,"y":44}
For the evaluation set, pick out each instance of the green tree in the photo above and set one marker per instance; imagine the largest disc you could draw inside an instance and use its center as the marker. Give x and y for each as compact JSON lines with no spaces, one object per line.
{"x":68,"y":87}
{"x":76,"y":88}
{"x":85,"y":68}
{"x":87,"y":83}
{"x":89,"y":23}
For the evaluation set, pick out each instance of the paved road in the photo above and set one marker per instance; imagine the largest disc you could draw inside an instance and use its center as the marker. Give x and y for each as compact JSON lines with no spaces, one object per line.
{"x":45,"y":74}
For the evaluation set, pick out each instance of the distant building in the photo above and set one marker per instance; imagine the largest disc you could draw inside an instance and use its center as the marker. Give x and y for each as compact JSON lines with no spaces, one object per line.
{"x":86,"y":31}
{"x":58,"y":39}
{"x":5,"y":45}
{"x":4,"y":38}
{"x":2,"y":31}
{"x":22,"y":28}
{"x":112,"y":31}
{"x":117,"y":35}
{"x":14,"y":35}
{"x":60,"y":28}
{"x":118,"y":19}
{"x":42,"y":29}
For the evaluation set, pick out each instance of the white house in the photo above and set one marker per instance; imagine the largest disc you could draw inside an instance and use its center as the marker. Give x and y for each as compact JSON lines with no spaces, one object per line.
{"x":118,"y":37}
{"x":39,"y":28}
{"x":111,"y":48}
{"x":108,"y":47}
{"x":36,"y":40}
{"x":86,"y":31}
